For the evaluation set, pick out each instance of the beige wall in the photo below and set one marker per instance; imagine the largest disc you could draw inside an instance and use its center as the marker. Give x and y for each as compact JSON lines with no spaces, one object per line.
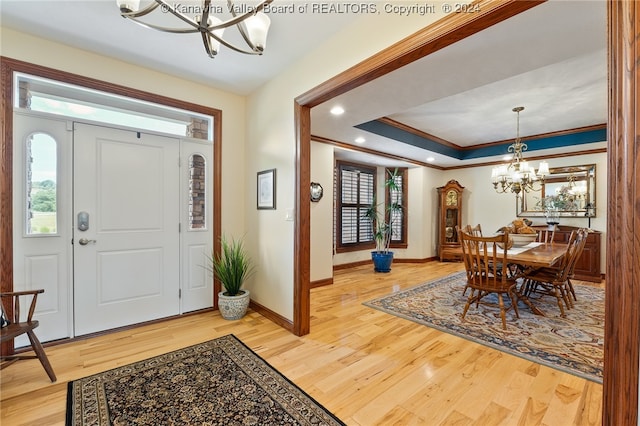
{"x":258,"y":131}
{"x":271,"y":143}
{"x":265,"y":121}
{"x":492,"y":210}
{"x":54,"y":55}
{"x":322,"y":213}
{"x":481,"y":205}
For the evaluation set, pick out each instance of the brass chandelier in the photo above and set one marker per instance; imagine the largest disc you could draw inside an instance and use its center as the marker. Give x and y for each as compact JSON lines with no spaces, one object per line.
{"x":251,"y":22}
{"x":517,"y":176}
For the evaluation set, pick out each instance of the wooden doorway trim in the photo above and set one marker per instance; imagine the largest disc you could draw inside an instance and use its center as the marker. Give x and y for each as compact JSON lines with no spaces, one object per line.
{"x":622,"y":335}
{"x":440,"y":34}
{"x":8,"y":67}
{"x":622,"y":316}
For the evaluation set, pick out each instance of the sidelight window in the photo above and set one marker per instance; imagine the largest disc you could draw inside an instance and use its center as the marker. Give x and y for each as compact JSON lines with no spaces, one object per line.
{"x":41,"y":185}
{"x":197,"y":192}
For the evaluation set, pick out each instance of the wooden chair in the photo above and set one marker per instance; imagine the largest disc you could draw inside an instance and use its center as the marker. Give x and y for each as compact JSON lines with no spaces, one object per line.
{"x":476,"y":231}
{"x":482,"y":257}
{"x":555,"y":281}
{"x":545,"y":233}
{"x":17,"y":328}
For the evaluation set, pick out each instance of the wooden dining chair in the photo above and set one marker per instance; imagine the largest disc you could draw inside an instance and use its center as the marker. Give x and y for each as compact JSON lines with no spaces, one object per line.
{"x":476,"y":231}
{"x":14,"y":327}
{"x":482,"y":257}
{"x":556,"y":281}
{"x":546,"y":233}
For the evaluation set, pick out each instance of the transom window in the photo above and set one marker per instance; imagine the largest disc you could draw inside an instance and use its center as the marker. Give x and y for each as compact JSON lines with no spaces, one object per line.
{"x":55,"y":97}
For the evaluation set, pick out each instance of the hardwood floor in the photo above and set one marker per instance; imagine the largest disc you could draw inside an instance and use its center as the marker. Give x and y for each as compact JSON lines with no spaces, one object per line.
{"x":367,"y":367}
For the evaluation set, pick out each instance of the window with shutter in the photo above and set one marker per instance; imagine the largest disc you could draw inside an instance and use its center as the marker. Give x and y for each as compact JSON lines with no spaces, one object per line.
{"x":356,"y":186}
{"x":399,"y":219}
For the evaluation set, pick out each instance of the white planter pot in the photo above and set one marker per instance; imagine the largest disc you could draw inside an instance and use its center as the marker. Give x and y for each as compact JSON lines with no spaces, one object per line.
{"x":233,"y":307}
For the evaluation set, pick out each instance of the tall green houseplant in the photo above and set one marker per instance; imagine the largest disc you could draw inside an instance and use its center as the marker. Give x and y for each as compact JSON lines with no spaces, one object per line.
{"x":382,"y":221}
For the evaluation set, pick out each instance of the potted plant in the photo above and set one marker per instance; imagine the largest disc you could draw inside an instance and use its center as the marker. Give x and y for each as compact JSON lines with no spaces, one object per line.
{"x":382,"y":224}
{"x":232,"y":267}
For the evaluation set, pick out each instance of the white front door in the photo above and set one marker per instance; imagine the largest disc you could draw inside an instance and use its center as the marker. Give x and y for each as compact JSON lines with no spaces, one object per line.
{"x":126,"y":220}
{"x":41,"y":220}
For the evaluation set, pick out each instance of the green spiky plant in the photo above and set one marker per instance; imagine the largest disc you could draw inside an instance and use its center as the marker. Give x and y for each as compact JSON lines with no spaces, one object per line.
{"x":232,"y":266}
{"x":382,"y":223}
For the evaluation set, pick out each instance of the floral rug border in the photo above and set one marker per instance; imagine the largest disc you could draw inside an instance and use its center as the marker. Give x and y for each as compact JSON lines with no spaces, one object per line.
{"x":239,"y":374}
{"x":505,"y":343}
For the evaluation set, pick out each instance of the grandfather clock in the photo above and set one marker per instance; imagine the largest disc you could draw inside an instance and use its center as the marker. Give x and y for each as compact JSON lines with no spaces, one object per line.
{"x":450,"y":216}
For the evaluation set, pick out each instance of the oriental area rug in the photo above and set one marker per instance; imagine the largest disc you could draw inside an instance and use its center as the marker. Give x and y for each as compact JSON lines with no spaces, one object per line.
{"x":219,"y":382}
{"x":574,"y":344}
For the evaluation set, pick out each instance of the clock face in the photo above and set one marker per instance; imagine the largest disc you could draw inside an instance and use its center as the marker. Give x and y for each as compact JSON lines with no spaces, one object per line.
{"x":452,"y":198}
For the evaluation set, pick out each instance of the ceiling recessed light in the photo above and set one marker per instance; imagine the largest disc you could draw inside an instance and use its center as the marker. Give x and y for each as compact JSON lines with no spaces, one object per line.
{"x":337,"y":110}
{"x":430,"y":159}
{"x":360,"y":139}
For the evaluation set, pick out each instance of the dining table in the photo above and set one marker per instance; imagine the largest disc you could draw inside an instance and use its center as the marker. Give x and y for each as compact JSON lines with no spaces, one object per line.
{"x":534,"y":255}
{"x":537,"y":255}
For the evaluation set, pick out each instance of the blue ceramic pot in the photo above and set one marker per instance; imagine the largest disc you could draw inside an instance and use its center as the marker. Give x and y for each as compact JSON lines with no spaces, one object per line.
{"x":382,"y":261}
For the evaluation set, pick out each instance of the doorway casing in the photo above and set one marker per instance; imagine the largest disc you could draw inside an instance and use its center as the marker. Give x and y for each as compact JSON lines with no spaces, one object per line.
{"x":622,"y":318}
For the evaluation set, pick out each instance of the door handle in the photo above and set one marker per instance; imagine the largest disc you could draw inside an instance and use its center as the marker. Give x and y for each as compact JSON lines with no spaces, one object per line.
{"x":84,"y":241}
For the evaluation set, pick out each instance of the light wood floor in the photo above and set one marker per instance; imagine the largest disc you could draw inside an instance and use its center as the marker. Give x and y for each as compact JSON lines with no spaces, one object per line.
{"x":367,"y":367}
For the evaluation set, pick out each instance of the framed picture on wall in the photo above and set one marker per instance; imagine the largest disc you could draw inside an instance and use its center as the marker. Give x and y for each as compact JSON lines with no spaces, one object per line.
{"x":267,"y":190}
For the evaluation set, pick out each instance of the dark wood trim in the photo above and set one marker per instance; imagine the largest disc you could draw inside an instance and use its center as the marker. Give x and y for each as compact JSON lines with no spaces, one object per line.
{"x":6,"y":189}
{"x":411,"y":260}
{"x":440,"y":34}
{"x":321,"y":283}
{"x":538,"y":157}
{"x":433,"y":166}
{"x":401,"y":126}
{"x":622,"y":293}
{"x":8,"y":66}
{"x":544,"y":135}
{"x":350,"y":147}
{"x":404,"y":173}
{"x":352,"y":265}
{"x":114,"y":330}
{"x":302,"y":229}
{"x":272,"y":316}
{"x":370,"y":262}
{"x":622,"y":340}
{"x":420,"y":133}
{"x":448,"y":30}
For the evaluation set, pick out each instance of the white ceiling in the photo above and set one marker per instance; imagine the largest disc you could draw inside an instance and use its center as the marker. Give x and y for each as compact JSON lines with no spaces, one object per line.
{"x":550,"y":59}
{"x":96,"y":25}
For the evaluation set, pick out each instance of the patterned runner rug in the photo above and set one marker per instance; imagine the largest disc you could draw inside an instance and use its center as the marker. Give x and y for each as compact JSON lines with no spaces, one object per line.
{"x":573,"y":344}
{"x":220,"y":382}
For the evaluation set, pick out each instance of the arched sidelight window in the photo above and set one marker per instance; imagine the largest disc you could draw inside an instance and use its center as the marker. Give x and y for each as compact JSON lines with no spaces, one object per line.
{"x":197,"y":192}
{"x":41,"y":185}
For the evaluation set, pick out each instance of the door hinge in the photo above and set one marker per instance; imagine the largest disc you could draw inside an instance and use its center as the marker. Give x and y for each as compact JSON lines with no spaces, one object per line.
{"x":179,"y":293}
{"x":179,"y":228}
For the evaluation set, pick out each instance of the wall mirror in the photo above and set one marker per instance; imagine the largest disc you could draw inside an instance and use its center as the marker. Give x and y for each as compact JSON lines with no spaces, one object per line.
{"x":570,"y":190}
